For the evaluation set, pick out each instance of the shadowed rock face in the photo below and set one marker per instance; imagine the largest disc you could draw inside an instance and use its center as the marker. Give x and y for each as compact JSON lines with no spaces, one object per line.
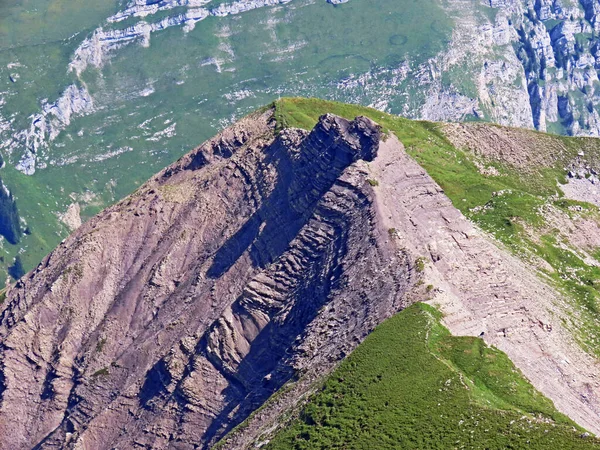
{"x":166,"y":320}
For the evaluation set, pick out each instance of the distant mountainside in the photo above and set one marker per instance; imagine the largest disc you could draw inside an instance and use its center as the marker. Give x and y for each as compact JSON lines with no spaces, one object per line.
{"x":207,"y":308}
{"x":95,"y":97}
{"x":534,"y":64}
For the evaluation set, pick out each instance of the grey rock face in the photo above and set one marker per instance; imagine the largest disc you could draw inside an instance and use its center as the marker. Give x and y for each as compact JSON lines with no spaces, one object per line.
{"x":557,"y":49}
{"x":167,"y":319}
{"x":46,"y":125}
{"x":513,"y":66}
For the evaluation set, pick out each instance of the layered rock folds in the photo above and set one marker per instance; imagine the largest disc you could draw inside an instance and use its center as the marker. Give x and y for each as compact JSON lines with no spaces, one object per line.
{"x":256,"y":259}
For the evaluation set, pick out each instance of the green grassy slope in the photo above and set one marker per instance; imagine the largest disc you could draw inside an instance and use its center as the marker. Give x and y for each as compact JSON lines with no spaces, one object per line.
{"x":411,"y":385}
{"x":509,"y":205}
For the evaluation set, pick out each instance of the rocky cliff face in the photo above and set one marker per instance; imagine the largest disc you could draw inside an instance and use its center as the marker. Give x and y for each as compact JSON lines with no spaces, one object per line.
{"x":524,"y":63}
{"x":533,"y":64}
{"x":166,"y":320}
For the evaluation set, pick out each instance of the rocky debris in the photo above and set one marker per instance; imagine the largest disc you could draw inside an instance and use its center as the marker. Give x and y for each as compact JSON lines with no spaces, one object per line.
{"x":583,"y":183}
{"x":521,"y":149}
{"x":166,"y":320}
{"x":528,"y":151}
{"x":71,"y":218}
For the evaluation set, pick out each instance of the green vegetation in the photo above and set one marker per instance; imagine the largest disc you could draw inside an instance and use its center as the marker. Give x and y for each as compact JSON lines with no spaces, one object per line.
{"x":508,"y":205}
{"x":74,"y":271}
{"x":100,"y":345}
{"x":420,"y":264}
{"x":101,"y":373}
{"x":411,"y":385}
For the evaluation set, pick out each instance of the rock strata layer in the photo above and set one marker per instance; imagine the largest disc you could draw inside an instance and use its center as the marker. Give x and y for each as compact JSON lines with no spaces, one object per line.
{"x":256,"y":259}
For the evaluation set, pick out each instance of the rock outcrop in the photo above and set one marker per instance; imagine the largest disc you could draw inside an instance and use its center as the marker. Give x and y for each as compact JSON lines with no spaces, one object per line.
{"x":556,"y":46}
{"x":257,"y":259}
{"x":48,"y":124}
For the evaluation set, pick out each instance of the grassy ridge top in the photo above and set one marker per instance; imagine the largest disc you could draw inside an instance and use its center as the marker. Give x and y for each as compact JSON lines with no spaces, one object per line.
{"x":452,"y":168}
{"x":506,"y":201}
{"x":412,"y":385}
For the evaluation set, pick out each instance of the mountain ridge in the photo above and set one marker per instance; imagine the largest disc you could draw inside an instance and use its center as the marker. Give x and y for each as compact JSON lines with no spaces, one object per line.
{"x":256,"y":263}
{"x":116,"y":296}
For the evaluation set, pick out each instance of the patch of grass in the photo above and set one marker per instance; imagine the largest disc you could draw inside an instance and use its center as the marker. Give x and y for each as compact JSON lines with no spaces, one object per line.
{"x":101,"y":373}
{"x":100,"y":345}
{"x":420,"y":264}
{"x":75,"y":271}
{"x":411,"y":385}
{"x":373,"y":182}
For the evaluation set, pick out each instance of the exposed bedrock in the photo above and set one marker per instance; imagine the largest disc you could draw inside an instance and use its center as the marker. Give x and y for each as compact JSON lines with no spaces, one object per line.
{"x":256,"y":259}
